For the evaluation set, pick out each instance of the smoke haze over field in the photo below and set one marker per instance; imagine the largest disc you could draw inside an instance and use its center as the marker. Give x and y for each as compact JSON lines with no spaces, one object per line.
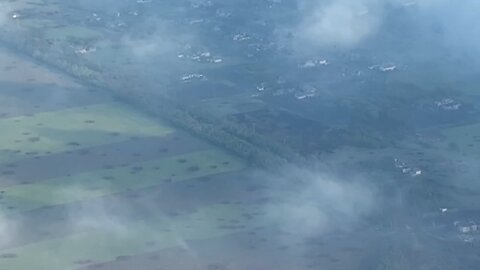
{"x":7,"y":230}
{"x":309,"y":202}
{"x":163,"y":39}
{"x":370,"y":101}
{"x":346,"y":24}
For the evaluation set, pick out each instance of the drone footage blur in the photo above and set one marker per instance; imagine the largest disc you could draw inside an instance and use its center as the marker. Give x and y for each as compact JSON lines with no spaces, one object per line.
{"x":239,"y":134}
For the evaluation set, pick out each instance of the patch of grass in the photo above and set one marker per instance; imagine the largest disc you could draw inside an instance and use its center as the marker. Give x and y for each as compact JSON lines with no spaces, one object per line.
{"x":28,"y":4}
{"x":428,"y":76}
{"x":72,"y":31}
{"x":233,"y":104}
{"x":94,"y":184}
{"x":73,"y":129}
{"x":37,"y":23}
{"x":106,"y":243}
{"x":464,"y":139}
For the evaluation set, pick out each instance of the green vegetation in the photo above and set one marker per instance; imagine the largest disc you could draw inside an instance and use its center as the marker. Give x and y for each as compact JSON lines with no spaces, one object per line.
{"x":95,"y":184}
{"x":107,"y":243}
{"x":52,"y":240}
{"x":464,"y":139}
{"x":99,"y":183}
{"x":72,"y":129}
{"x":72,"y":32}
{"x":233,"y":105}
{"x":238,"y":139}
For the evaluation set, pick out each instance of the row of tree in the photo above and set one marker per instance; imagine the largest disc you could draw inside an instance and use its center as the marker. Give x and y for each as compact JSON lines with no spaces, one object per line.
{"x":237,"y":138}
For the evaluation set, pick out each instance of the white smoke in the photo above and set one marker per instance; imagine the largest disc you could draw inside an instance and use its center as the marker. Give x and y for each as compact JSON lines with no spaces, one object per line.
{"x":309,"y":202}
{"x":7,"y":230}
{"x":98,"y":217}
{"x":347,"y":23}
{"x":161,"y":39}
{"x":459,"y":22}
{"x":114,"y":218}
{"x":143,"y":48}
{"x":342,"y":23}
{"x":5,"y":10}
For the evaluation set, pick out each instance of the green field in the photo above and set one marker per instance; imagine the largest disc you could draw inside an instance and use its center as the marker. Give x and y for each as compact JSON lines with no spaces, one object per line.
{"x":77,"y":128}
{"x":464,"y":140}
{"x":71,"y":129}
{"x":103,"y":182}
{"x":108,"y":244}
{"x":36,"y":137}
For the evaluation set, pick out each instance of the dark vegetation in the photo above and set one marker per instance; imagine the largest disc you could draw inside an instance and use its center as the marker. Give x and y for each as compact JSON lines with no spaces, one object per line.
{"x":234,"y":137}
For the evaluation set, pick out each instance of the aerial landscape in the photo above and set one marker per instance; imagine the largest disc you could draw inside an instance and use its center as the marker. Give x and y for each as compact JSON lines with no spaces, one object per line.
{"x":235,"y":135}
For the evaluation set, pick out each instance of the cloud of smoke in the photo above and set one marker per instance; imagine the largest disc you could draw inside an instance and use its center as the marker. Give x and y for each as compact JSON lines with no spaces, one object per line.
{"x":458,"y":22}
{"x":116,"y":218}
{"x":310,"y":202}
{"x":347,"y":23}
{"x":7,"y":230}
{"x":157,"y":38}
{"x":5,"y":10}
{"x":154,"y":45}
{"x":97,"y":216}
{"x":342,"y":23}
